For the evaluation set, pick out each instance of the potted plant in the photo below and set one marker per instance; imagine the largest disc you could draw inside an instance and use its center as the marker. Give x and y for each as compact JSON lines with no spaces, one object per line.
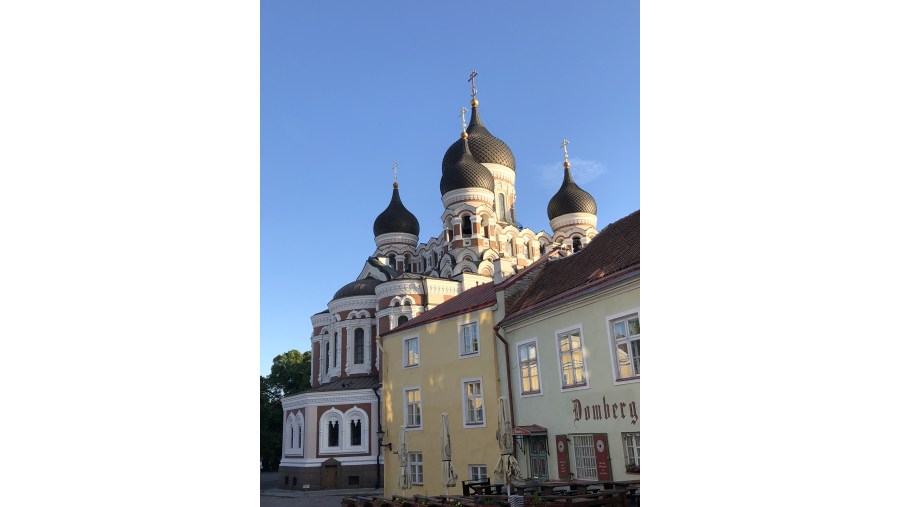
{"x":632,"y":469}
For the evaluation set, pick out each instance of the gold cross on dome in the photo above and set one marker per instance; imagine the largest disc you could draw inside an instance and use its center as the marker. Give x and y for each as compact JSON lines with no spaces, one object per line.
{"x":563,"y":146}
{"x":462,"y":114}
{"x":395,"y":172}
{"x":472,"y":80}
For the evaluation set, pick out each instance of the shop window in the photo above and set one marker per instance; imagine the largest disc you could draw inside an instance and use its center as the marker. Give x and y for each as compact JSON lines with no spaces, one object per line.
{"x":585,"y":458}
{"x":632,"y":442}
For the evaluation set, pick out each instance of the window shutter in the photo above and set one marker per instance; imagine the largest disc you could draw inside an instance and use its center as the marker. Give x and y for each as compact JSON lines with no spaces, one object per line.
{"x":601,"y":453}
{"x":562,"y":457}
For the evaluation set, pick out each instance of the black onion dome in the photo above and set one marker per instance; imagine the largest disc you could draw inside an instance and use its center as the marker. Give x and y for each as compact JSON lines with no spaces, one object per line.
{"x":364,"y":287}
{"x":396,"y":218}
{"x":466,"y":172}
{"x":485,"y":147}
{"x":570,"y":199}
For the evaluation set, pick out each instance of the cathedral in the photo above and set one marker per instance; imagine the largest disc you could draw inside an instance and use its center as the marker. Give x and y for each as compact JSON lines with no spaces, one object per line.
{"x":332,"y":431}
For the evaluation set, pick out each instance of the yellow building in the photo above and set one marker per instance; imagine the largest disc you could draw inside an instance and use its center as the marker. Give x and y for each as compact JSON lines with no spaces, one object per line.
{"x":442,"y":361}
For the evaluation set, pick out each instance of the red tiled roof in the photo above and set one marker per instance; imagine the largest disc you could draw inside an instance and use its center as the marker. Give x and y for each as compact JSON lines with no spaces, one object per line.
{"x":475,"y":298}
{"x":615,"y":249}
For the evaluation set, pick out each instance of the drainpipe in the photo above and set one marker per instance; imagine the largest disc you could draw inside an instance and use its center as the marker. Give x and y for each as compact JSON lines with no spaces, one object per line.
{"x":512,"y":412}
{"x":378,"y":457}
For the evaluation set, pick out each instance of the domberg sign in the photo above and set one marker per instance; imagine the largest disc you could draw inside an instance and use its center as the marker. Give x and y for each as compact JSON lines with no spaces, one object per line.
{"x":603,"y":411}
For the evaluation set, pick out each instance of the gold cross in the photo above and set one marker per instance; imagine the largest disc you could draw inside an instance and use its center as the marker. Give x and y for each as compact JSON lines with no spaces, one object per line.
{"x":472,"y":80}
{"x":563,"y":146}
{"x":395,"y":172}
{"x":462,"y":114}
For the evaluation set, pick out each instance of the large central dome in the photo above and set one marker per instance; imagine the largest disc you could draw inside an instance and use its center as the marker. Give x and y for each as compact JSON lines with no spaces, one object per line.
{"x":465,"y":172}
{"x":486,"y":148}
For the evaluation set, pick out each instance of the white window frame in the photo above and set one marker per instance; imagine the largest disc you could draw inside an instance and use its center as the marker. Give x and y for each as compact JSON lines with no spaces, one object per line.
{"x":324,"y":421}
{"x":474,"y":472}
{"x":559,"y":364}
{"x":406,"y":342}
{"x":465,"y":398}
{"x":294,"y":434}
{"x":415,"y":462}
{"x":537,"y":351}
{"x":355,"y":413}
{"x":406,"y":408}
{"x":586,"y":457}
{"x":613,"y":349}
{"x":636,"y":447}
{"x":462,"y":339}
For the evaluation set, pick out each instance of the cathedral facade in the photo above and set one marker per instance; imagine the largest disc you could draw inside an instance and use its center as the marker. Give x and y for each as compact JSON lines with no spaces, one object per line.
{"x":331,"y":431}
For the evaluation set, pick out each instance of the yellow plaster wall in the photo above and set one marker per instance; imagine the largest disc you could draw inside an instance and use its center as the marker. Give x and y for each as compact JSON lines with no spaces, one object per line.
{"x":439,"y":376}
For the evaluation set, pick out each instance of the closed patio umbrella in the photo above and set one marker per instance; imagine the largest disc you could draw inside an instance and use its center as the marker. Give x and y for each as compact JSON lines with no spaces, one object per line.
{"x":403,"y":482}
{"x":448,"y":475}
{"x":507,"y":469}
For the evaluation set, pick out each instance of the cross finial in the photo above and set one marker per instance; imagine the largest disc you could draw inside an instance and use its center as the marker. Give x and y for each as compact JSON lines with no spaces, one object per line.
{"x":395,"y":174}
{"x":462,"y":114}
{"x":565,"y":151}
{"x":472,"y":80}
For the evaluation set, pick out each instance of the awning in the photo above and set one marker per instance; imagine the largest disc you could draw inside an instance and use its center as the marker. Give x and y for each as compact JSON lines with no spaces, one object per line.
{"x":532,"y":429}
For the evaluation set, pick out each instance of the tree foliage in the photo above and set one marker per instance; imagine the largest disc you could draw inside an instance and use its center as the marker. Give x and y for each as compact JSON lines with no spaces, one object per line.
{"x":289,"y":375}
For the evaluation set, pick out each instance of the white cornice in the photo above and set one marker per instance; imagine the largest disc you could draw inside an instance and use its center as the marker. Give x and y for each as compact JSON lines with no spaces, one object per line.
{"x":573,"y":219}
{"x":328,"y":398}
{"x":467,"y":195}
{"x":320,"y":319}
{"x":398,"y":288}
{"x":352,"y":303}
{"x":396,"y":237}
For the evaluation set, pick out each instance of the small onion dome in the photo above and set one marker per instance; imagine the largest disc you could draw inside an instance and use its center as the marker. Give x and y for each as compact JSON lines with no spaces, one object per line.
{"x":396,"y":218}
{"x":570,"y":199}
{"x":466,"y":172}
{"x":486,"y":148}
{"x":364,"y":287}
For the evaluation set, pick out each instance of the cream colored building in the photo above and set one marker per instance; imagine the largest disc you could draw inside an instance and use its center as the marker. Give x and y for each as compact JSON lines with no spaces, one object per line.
{"x":445,"y":363}
{"x":574,"y":337}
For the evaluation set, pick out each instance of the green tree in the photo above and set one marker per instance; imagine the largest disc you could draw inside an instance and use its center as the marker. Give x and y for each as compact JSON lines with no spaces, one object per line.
{"x":289,"y":375}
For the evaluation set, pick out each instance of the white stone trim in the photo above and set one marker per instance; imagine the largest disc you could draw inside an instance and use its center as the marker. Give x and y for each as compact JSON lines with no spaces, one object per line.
{"x":501,"y":172}
{"x":352,"y":303}
{"x":573,"y":219}
{"x":301,"y":400}
{"x":398,"y":288}
{"x":401,"y":238}
{"x":463,"y":195}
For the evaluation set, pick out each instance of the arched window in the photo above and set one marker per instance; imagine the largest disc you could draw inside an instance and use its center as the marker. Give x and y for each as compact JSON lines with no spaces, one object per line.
{"x":402,"y":320}
{"x":334,"y":434}
{"x":327,"y":356}
{"x":293,"y":433}
{"x":357,"y":423}
{"x":543,"y":249}
{"x":358,"y":346}
{"x":484,"y":226}
{"x":330,"y":428}
{"x":434,"y":260}
{"x":576,"y":244}
{"x":392,"y":261}
{"x":527,"y":249}
{"x":407,"y":263}
{"x":466,"y":226}
{"x":334,"y":350}
{"x":501,"y":206}
{"x":509,"y":250}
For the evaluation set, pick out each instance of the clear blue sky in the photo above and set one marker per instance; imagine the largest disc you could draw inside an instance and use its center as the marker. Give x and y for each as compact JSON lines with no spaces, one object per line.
{"x":349,"y":87}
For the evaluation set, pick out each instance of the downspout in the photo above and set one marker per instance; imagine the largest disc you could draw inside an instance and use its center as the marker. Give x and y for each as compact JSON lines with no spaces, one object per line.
{"x":512,"y":411}
{"x":378,"y":456}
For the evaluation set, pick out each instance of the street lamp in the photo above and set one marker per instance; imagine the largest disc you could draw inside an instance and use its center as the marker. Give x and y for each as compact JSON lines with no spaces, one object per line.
{"x":380,"y":434}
